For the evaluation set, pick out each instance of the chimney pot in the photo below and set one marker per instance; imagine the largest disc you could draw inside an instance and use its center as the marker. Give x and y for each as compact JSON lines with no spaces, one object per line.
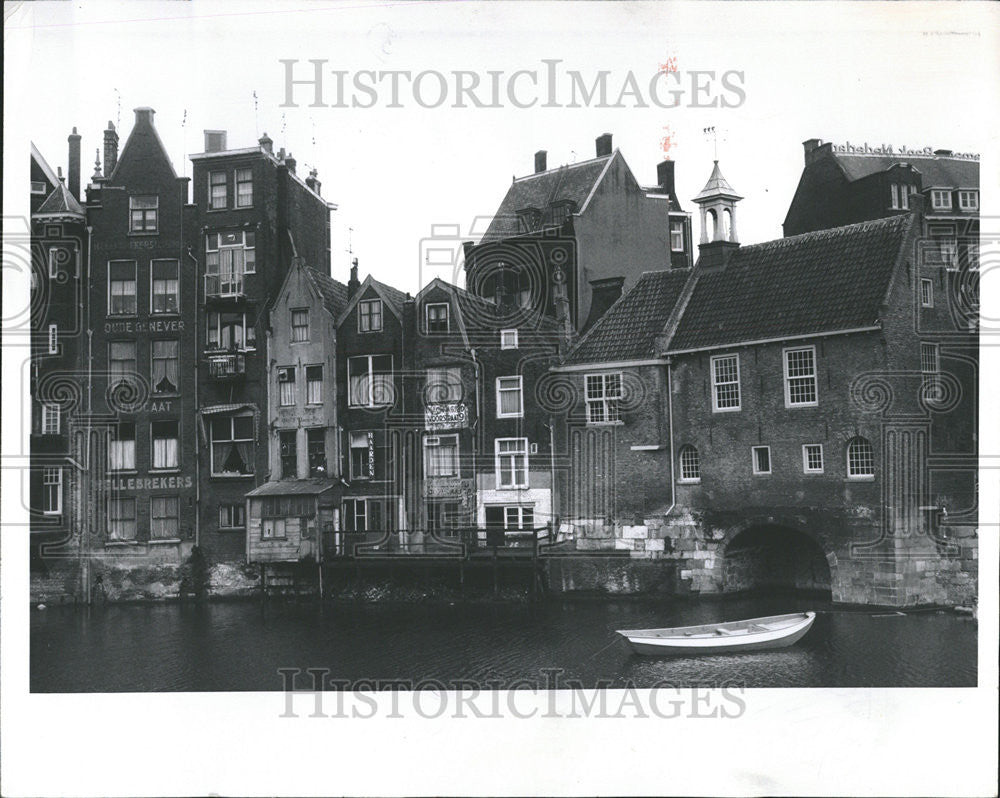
{"x":110,"y":150}
{"x":541,"y":160}
{"x":266,"y":143}
{"x":604,"y":144}
{"x":944,"y":153}
{"x":353,"y":284}
{"x":665,"y":176}
{"x":74,"y":164}
{"x":215,"y":140}
{"x":291,"y":163}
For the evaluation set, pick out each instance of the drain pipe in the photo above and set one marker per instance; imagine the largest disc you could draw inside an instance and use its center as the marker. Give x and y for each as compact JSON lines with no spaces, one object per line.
{"x":197,"y":408}
{"x":670,"y":424}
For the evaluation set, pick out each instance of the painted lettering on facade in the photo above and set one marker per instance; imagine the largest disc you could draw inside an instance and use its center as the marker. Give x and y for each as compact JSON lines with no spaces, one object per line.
{"x":175,"y":482}
{"x":446,"y":415}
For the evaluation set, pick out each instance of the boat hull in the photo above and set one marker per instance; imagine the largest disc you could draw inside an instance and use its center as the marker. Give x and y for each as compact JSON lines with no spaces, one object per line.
{"x":728,"y":638}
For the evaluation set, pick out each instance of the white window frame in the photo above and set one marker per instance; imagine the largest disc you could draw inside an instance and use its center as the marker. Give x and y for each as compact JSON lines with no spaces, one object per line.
{"x":310,"y":383}
{"x":252,"y":440}
{"x":806,"y":469}
{"x":788,"y":379}
{"x":518,"y":512}
{"x":367,"y":304}
{"x":53,"y":339}
{"x":371,"y":381}
{"x":293,"y":382}
{"x":510,"y":454}
{"x":293,"y":326}
{"x":177,"y":294}
{"x":236,"y":186}
{"x":116,"y":442}
{"x":47,"y":485}
{"x":50,"y":411}
{"x":508,"y":339}
{"x":152,"y":445}
{"x":678,"y":228}
{"x":435,"y":442}
{"x":446,"y":380}
{"x":176,"y":518}
{"x":519,"y":413}
{"x":447,"y":316}
{"x":686,"y":449}
{"x":904,"y":196}
{"x":862,"y":477}
{"x":753,"y":460}
{"x":926,"y":292}
{"x":934,"y":351}
{"x":894,"y":196}
{"x":607,"y":401}
{"x":225,"y":194}
{"x":228,"y":517}
{"x":156,"y":214}
{"x":973,"y":200}
{"x":135,"y":287}
{"x":54,"y":263}
{"x":123,"y":501}
{"x":716,"y":384}
{"x":942,"y":194}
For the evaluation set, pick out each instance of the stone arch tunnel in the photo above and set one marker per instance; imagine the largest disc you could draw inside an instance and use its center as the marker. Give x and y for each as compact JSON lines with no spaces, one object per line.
{"x":772,"y":556}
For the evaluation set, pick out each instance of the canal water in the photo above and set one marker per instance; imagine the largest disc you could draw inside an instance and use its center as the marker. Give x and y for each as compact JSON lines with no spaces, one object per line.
{"x":243,"y":645}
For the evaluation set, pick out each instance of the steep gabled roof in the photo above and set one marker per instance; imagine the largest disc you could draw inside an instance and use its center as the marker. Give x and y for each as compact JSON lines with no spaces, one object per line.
{"x":717,"y":186}
{"x":332,"y":292}
{"x":572,"y":182}
{"x":392,"y":297}
{"x":824,"y":281}
{"x":941,"y":170}
{"x":628,"y":330}
{"x":60,"y":203}
{"x":44,"y":165}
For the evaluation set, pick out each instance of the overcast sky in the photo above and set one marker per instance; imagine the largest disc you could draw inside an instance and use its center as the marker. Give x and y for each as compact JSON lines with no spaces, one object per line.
{"x":875,"y":74}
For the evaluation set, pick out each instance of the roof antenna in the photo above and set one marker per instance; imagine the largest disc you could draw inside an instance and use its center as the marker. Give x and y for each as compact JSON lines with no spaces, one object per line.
{"x":118,"y":101}
{"x":256,"y":120}
{"x":184,"y":120}
{"x":710,"y":131}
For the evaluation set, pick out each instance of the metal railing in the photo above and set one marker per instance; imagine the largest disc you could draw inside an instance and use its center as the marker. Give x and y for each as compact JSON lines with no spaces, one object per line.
{"x":228,"y":285}
{"x":229,"y":366}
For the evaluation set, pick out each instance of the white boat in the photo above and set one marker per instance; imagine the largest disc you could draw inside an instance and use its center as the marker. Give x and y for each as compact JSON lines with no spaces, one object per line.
{"x":732,"y":637}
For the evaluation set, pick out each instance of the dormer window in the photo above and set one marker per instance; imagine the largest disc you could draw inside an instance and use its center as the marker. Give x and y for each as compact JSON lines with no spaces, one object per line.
{"x":677,"y":236}
{"x":561,"y":211}
{"x":968,"y":200}
{"x":370,"y":315}
{"x":437,"y":318}
{"x":941,"y":199}
{"x":529,"y":219}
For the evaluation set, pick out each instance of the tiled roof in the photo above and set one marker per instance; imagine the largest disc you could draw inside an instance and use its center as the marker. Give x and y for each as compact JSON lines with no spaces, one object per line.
{"x":293,"y":487}
{"x":334,"y":293}
{"x":61,"y":203}
{"x":936,"y":171}
{"x":572,"y":182}
{"x":827,"y":280}
{"x":629,"y":328}
{"x":394,"y":295}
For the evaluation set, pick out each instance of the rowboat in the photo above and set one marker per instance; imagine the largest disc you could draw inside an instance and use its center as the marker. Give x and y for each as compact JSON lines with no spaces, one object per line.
{"x":732,"y":637}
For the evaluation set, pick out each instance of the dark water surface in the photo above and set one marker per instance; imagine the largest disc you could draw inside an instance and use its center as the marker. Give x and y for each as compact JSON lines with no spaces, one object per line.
{"x":242,"y":646}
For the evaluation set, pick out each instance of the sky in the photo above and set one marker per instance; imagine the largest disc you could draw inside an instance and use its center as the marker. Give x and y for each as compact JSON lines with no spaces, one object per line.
{"x":403,"y":175}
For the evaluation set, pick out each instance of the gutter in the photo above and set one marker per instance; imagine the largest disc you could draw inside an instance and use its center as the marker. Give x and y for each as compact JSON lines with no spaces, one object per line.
{"x":778,"y":339}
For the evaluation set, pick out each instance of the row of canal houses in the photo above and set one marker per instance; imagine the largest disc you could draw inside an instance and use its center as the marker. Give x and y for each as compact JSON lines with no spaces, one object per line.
{"x":803,"y":406}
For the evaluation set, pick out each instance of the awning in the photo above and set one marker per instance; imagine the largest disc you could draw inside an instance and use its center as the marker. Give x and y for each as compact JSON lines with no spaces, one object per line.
{"x":212,"y":410}
{"x":294,"y":487}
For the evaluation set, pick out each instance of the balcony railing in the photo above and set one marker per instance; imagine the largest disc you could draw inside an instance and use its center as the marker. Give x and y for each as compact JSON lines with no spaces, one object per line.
{"x":226,"y":367}
{"x":223,"y":286}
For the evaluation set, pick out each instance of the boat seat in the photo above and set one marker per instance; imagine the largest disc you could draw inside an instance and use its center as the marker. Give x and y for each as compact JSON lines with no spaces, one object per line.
{"x":724,"y":632}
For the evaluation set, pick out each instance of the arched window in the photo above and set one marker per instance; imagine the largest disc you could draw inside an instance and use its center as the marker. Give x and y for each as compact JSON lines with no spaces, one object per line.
{"x":690,"y":464}
{"x":860,"y":459}
{"x":713,"y":223}
{"x":727,"y":224}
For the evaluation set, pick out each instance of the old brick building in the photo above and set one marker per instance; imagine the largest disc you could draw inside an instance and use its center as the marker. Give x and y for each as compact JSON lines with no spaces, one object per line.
{"x":766,"y":418}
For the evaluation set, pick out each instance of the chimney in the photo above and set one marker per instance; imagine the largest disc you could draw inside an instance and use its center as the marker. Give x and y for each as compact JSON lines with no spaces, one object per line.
{"x":281,"y":154}
{"x":110,"y":150}
{"x":943,"y":153}
{"x":144,"y":116}
{"x":541,"y":158}
{"x":313,"y":181}
{"x":606,"y":292}
{"x":604,"y":144}
{"x":715,"y":254}
{"x":266,"y":144}
{"x":353,"y":284}
{"x":74,"y":164}
{"x":290,"y":162}
{"x":918,"y":203}
{"x":665,"y":176}
{"x":814,"y":149}
{"x":215,"y":140}
{"x":560,"y":299}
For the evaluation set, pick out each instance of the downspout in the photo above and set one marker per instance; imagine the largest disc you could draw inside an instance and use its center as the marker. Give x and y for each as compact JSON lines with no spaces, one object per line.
{"x":197,"y":445}
{"x":85,"y":536}
{"x":475,"y":442}
{"x":552,"y":474}
{"x":670,"y":424}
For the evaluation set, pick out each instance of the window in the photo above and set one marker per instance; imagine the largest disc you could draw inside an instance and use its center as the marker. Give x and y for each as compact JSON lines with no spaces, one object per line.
{"x":604,"y":392}
{"x":941,"y":199}
{"x":52,"y":491}
{"x":441,"y":456}
{"x":121,"y":448}
{"x":165,"y":366}
{"x":725,"y":383}
{"x":904,"y":196}
{"x":300,"y":325}
{"x":142,"y":214}
{"x":929,"y":359}
{"x":926,"y":292}
{"x":690,"y":464}
{"x":217,"y":195}
{"x":364,"y":515}
{"x":949,"y":252}
{"x":512,"y":462}
{"x":968,"y":200}
{"x":443,"y":385}
{"x":314,"y":385}
{"x":362,"y":455}
{"x":370,"y":381}
{"x":229,"y":256}
{"x":316,"y":449}
{"x":165,"y":286}
{"x":860,"y":459}
{"x":232,"y":446}
{"x":286,"y":386}
{"x":437,"y":318}
{"x":370,"y":315}
{"x":972,"y":252}
{"x":53,"y":339}
{"x":812,"y":458}
{"x":761,"y":459}
{"x":55,"y":255}
{"x":244,"y":188}
{"x":121,"y":288}
{"x":443,"y":517}
{"x":232,"y":516}
{"x":50,"y":419}
{"x":272,"y":528}
{"x":800,"y":376}
{"x":166,"y":444}
{"x":894,"y":196}
{"x":230,"y":331}
{"x":121,"y":519}
{"x":121,"y":362}
{"x":677,"y":236}
{"x":289,"y":453}
{"x":518,"y":518}
{"x":164,"y":518}
{"x":508,"y":339}
{"x":355,"y":515}
{"x":509,"y":399}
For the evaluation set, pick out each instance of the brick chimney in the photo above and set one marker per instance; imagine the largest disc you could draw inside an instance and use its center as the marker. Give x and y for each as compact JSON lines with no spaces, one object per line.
{"x":541,"y":158}
{"x":353,"y":284}
{"x":266,"y":143}
{"x":814,"y":149}
{"x":144,"y":116}
{"x":74,"y":164}
{"x":215,"y":140}
{"x":110,"y":149}
{"x":290,"y":162}
{"x":944,"y":153}
{"x":665,"y":176}
{"x":604,"y":144}
{"x":313,"y":181}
